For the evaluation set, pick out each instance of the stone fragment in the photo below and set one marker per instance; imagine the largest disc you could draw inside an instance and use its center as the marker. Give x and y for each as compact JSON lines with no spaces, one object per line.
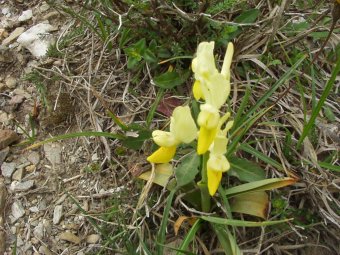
{"x":14,"y":35}
{"x":50,"y":15}
{"x":4,"y":118}
{"x":26,"y":15}
{"x":53,"y":153}
{"x":34,"y":157}
{"x":57,"y":214}
{"x":34,"y":42}
{"x":3,"y":154}
{"x":11,"y":82}
{"x":7,"y":169}
{"x":17,"y":99}
{"x":38,"y":231}
{"x":7,"y":137}
{"x":44,"y":7}
{"x":21,"y":186}
{"x":17,"y":210}
{"x":92,"y":239}
{"x":70,"y":237}
{"x":18,"y":174}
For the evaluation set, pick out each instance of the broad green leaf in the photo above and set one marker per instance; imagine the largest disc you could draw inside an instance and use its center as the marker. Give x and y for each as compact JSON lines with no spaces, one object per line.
{"x":241,"y":223}
{"x":149,"y":56}
{"x":187,"y":170}
{"x":170,"y":80}
{"x":245,"y":170}
{"x":162,"y":174}
{"x":136,"y":142}
{"x":262,"y":185}
{"x":248,"y":16}
{"x":252,"y":203}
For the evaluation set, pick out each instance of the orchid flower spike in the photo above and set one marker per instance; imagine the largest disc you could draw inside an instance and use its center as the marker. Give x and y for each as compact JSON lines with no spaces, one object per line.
{"x":182,"y":130}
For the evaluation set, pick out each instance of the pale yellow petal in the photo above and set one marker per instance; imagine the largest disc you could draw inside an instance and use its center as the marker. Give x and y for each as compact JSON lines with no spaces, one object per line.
{"x":162,"y":155}
{"x":183,"y":126}
{"x":214,"y":179}
{"x":219,"y":88}
{"x":227,"y":61}
{"x":205,"y":139}
{"x":164,"y":139}
{"x":208,"y":117}
{"x":197,"y":91}
{"x":218,"y":163}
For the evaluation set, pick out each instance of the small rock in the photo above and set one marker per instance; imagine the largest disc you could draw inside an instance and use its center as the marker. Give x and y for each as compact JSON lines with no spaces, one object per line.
{"x":57,"y":214}
{"x":70,"y":237}
{"x":17,"y":99}
{"x":92,"y":239}
{"x":26,"y":15}
{"x":20,"y":242}
{"x":30,"y":168}
{"x":34,"y":157}
{"x":7,"y":169}
{"x":34,"y":209}
{"x":22,"y":186}
{"x":61,"y":199}
{"x":21,"y":92}
{"x":4,"y":118}
{"x":53,"y":153}
{"x":7,"y":137}
{"x":38,"y":231}
{"x":14,"y":35}
{"x":44,"y":7}
{"x":11,"y":82}
{"x":34,"y":42}
{"x":18,"y":174}
{"x":3,"y":154}
{"x":17,"y":210}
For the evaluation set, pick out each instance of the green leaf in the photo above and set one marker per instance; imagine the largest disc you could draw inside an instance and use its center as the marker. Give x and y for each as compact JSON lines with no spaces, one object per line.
{"x":149,"y":56}
{"x":125,"y":37}
{"x":245,"y":170}
{"x":248,"y":16}
{"x":241,"y":223}
{"x":190,"y":236}
{"x":267,"y":184}
{"x":187,"y":170}
{"x":136,"y":142}
{"x":251,"y":203}
{"x":170,"y":80}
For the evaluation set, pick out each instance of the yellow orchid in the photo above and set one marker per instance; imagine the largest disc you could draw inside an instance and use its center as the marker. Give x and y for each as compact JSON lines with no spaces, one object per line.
{"x":217,"y":162}
{"x":213,"y":87}
{"x":182,"y":130}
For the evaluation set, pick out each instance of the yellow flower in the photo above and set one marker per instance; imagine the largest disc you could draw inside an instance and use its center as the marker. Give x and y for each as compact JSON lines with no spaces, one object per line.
{"x":182,"y":130}
{"x":217,"y":162}
{"x":213,"y":87}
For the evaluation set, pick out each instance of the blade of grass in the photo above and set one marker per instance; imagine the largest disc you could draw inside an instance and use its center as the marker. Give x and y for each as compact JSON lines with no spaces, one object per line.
{"x":247,"y":148}
{"x":77,"y":134}
{"x":153,"y":108}
{"x":329,"y":86}
{"x":242,"y":223}
{"x":161,"y":234}
{"x":190,"y":236}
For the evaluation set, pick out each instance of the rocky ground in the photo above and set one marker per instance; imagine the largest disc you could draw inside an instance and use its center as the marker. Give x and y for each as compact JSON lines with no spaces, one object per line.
{"x":37,"y":215}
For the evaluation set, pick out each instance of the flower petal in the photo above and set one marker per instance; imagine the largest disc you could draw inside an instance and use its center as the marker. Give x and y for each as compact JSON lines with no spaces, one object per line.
{"x":164,"y":139}
{"x":218,"y":163}
{"x":197,"y":91}
{"x":205,"y":139}
{"x":208,"y":117}
{"x":162,"y":155}
{"x":183,"y":126}
{"x":214,"y":179}
{"x":225,"y":71}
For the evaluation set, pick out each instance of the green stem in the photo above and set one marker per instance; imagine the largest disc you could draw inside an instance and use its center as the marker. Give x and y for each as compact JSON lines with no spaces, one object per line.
{"x":203,"y":185}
